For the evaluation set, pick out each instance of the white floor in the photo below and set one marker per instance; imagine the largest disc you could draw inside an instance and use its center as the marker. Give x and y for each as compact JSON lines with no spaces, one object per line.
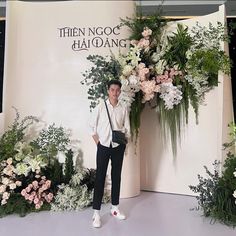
{"x":156,"y":214}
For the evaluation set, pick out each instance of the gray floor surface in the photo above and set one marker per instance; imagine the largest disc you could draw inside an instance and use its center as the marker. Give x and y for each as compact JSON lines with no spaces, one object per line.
{"x":150,"y":213}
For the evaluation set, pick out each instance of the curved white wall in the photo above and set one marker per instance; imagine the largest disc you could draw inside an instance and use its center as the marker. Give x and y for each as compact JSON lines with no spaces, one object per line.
{"x":43,"y":73}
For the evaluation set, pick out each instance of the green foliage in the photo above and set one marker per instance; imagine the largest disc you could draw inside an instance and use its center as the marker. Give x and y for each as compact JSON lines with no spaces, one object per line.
{"x":209,"y":36}
{"x":52,"y":140}
{"x":216,"y":191}
{"x":96,"y":78}
{"x":178,"y":44}
{"x":69,"y":167}
{"x":139,"y":22}
{"x":55,"y":174}
{"x":135,"y":115}
{"x":18,"y":205}
{"x":171,"y":122}
{"x":210,"y":61}
{"x":89,"y":179}
{"x":14,"y":134}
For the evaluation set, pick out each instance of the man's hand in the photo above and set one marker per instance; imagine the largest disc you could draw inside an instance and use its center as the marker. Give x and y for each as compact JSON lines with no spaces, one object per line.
{"x":96,"y":139}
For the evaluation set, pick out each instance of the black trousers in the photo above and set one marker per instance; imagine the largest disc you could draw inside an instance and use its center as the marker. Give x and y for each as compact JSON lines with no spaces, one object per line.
{"x":103,"y":155}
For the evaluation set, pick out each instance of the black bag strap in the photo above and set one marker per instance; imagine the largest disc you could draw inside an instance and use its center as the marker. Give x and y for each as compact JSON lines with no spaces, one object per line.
{"x":108,"y":114}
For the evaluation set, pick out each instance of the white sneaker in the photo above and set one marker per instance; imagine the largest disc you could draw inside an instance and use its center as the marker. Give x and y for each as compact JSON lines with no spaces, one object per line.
{"x":117,"y":214}
{"x":97,"y":221}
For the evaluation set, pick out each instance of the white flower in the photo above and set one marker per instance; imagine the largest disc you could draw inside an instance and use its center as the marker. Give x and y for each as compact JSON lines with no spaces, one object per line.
{"x":146,"y":32}
{"x":22,"y":169}
{"x":234,"y":173}
{"x":124,"y":83}
{"x":3,"y":188}
{"x":3,"y":202}
{"x":170,"y":94}
{"x":12,"y":186}
{"x":127,"y":70}
{"x":234,"y":194}
{"x":199,"y":83}
{"x":188,"y":54}
{"x":5,"y":195}
{"x":34,"y":165}
{"x":160,"y":67}
{"x":155,"y":57}
{"x":5,"y":181}
{"x":9,"y":161}
{"x":133,"y":80}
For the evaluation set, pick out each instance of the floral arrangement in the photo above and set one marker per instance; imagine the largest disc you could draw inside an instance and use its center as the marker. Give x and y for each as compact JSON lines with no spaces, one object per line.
{"x":32,"y":178}
{"x":217,"y":192}
{"x":165,"y":69}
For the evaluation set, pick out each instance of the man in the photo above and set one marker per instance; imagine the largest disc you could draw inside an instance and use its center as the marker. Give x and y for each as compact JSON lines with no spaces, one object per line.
{"x":106,"y":149}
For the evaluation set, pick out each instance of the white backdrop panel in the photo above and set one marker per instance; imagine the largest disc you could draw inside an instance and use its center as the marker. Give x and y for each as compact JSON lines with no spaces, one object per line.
{"x":201,"y":144}
{"x":43,"y":73}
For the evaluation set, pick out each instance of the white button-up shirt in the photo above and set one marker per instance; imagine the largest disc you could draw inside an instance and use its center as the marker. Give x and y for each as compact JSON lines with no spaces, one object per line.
{"x":99,"y":122}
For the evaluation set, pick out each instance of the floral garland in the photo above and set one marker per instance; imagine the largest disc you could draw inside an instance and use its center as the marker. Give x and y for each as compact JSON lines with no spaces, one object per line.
{"x":167,"y":70}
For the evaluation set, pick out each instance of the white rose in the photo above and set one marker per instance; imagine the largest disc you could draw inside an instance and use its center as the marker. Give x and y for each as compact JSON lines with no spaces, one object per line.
{"x":5,"y":195}
{"x":12,"y":186}
{"x":2,"y":188}
{"x":3,"y":202}
{"x":133,"y":80}
{"x":5,"y":181}
{"x":234,"y":173}
{"x":124,"y":82}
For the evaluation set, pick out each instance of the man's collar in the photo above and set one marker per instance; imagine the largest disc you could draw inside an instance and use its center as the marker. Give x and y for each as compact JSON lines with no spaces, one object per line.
{"x":109,"y":103}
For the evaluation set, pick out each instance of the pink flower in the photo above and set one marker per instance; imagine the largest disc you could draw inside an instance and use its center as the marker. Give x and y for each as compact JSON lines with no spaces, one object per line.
{"x":44,"y":187}
{"x":35,"y":184}
{"x":31,"y":197}
{"x":50,"y":196}
{"x":133,"y":42}
{"x":36,"y":200}
{"x":141,"y":66}
{"x":143,"y":43}
{"x":18,"y":183}
{"x":146,"y":32}
{"x":26,"y":196}
{"x":149,"y":88}
{"x":41,"y":182}
{"x":48,"y":183}
{"x":23,"y":192}
{"x":37,"y":206}
{"x":28,"y":189}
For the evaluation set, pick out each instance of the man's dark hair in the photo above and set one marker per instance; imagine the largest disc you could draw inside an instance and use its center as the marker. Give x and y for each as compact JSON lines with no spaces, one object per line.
{"x":113,"y":81}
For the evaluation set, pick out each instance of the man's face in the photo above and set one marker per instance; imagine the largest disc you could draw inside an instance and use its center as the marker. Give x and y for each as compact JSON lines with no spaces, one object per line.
{"x":114,"y":91}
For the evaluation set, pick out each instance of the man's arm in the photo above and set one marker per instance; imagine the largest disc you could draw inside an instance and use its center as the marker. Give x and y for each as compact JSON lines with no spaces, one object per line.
{"x":93,"y":124}
{"x":127,"y":123}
